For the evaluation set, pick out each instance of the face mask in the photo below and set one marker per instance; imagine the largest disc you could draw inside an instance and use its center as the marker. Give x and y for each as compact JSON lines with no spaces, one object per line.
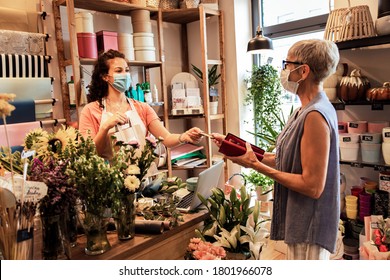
{"x":288,"y":85}
{"x":121,"y":82}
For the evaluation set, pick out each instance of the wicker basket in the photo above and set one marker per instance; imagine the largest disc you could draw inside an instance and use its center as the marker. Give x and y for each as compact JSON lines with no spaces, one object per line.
{"x":349,"y":24}
{"x":152,"y":3}
{"x":209,"y":1}
{"x":141,"y":3}
{"x":169,"y":4}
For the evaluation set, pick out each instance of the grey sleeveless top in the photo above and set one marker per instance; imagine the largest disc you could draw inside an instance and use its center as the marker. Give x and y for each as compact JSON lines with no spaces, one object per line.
{"x":298,"y":218}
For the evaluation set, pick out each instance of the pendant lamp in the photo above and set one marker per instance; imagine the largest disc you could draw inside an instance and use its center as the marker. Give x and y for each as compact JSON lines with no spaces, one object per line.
{"x":259,"y":42}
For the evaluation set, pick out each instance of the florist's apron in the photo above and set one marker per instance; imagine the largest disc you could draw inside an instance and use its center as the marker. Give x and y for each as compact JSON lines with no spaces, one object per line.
{"x":133,"y":130}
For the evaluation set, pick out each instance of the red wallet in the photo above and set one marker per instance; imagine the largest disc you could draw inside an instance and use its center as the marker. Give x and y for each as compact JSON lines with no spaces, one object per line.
{"x":234,"y":146}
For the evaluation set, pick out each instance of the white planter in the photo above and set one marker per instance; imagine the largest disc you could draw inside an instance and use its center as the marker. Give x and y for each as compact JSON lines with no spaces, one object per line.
{"x":214,"y":108}
{"x":263,"y":197}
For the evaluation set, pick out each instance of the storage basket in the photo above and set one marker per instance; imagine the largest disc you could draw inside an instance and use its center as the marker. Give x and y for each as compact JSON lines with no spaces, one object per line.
{"x":141,"y":3}
{"x":349,"y":24}
{"x":169,"y":4}
{"x":152,"y":3}
{"x":209,"y":1}
{"x":187,"y":4}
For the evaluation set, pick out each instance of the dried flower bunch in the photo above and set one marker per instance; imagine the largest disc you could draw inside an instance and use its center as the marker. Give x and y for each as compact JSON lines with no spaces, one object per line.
{"x":5,"y":107}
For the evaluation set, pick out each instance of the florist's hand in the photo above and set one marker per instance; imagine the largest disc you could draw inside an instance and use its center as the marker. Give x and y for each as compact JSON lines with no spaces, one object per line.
{"x":192,"y":135}
{"x":247,"y":160}
{"x":117,"y":118}
{"x":218,"y":138}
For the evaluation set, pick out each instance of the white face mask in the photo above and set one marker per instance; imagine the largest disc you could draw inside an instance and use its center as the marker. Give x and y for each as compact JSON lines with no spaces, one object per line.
{"x":288,"y":85}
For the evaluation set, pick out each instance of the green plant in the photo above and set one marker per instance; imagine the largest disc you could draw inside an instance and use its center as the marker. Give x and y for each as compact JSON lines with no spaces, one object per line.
{"x":227,"y":217}
{"x":264,"y":92}
{"x":258,"y":179}
{"x":213,"y":79}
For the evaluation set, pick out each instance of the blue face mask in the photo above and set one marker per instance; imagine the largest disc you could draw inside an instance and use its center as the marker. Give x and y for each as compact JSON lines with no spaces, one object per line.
{"x":121,"y":82}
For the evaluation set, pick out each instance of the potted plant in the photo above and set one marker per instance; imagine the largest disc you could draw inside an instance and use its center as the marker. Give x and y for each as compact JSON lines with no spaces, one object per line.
{"x":213,"y":80}
{"x":233,"y":223}
{"x":261,"y":184}
{"x":264,"y":95}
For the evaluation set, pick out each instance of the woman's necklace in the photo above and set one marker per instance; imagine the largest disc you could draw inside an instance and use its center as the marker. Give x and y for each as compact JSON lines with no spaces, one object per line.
{"x":116,"y":107}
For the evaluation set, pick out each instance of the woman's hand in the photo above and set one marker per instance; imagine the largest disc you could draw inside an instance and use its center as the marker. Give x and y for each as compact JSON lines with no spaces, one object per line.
{"x":218,"y":138}
{"x":247,"y":160}
{"x":192,"y":135}
{"x":117,"y":118}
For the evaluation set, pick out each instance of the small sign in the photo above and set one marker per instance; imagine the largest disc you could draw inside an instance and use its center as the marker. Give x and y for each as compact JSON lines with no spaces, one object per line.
{"x":339,"y":106}
{"x":357,"y":164}
{"x":353,"y":125}
{"x":377,"y":107}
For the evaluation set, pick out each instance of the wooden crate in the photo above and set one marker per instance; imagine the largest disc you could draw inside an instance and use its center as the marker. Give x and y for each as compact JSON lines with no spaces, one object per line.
{"x":349,"y":24}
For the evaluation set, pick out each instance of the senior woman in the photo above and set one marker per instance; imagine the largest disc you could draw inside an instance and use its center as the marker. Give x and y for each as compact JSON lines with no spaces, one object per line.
{"x":305,"y":165}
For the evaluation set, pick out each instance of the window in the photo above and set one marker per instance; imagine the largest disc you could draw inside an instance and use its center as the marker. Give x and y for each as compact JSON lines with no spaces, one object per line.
{"x":286,"y":22}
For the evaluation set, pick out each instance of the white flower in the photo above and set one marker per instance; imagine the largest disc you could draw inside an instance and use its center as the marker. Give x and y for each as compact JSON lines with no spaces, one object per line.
{"x":133,"y":170}
{"x":132,"y":183}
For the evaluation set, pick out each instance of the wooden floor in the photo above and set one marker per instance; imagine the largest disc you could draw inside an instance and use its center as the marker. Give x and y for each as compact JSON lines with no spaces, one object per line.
{"x":269,"y":252}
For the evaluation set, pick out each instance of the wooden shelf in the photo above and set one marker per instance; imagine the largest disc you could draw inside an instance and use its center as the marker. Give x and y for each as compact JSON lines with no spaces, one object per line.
{"x":365,"y":42}
{"x":376,"y":105}
{"x":108,"y":6}
{"x":361,"y":164}
{"x":184,"y":16}
{"x":147,"y":64}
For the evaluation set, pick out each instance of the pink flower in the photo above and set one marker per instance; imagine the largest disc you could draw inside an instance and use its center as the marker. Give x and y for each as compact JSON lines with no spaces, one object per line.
{"x":195,"y":240}
{"x":378,"y":240}
{"x":383,"y":248}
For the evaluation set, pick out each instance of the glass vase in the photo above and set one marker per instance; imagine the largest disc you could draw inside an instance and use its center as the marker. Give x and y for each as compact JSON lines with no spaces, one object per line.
{"x":71,"y":225}
{"x":95,"y":228}
{"x":55,"y":241}
{"x":125,"y":218}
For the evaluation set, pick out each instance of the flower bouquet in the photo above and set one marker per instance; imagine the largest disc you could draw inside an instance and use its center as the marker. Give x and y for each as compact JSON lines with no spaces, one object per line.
{"x":201,"y":250}
{"x":378,"y":247}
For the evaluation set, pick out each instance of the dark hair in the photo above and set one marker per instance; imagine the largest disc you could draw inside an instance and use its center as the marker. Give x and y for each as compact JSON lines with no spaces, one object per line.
{"x":98,"y":88}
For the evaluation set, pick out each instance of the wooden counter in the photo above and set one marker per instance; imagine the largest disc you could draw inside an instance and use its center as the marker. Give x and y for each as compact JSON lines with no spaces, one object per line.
{"x":170,"y":245}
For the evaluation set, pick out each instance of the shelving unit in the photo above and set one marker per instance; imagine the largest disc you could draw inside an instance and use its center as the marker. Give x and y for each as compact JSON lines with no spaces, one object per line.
{"x":183,"y":17}
{"x":377,"y":107}
{"x":178,"y":16}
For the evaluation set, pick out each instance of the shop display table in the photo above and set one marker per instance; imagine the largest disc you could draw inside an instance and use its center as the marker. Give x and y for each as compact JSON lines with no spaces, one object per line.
{"x":169,"y":245}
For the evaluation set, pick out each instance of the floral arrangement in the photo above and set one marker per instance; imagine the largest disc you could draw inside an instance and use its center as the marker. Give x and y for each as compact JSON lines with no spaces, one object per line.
{"x":200,"y":250}
{"x":233,"y":224}
{"x":60,"y":194}
{"x":382,"y":235}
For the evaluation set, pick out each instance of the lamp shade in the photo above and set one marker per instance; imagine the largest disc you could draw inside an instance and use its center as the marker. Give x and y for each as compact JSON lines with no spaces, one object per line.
{"x":259,"y":42}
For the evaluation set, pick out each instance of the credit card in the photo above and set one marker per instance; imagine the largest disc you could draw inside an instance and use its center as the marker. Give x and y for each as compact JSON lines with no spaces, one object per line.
{"x":207,"y":135}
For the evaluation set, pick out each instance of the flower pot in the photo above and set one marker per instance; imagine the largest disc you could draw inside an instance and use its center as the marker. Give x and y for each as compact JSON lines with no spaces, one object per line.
{"x":264,"y":195}
{"x":214,"y":108}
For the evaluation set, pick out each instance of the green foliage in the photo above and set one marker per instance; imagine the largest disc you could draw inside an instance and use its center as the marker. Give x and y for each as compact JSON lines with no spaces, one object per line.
{"x":212,"y":74}
{"x":264,"y":92}
{"x":227,"y":215}
{"x":259,"y":179}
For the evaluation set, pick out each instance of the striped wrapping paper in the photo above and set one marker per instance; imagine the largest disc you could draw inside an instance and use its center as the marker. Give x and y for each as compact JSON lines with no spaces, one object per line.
{"x":23,"y":66}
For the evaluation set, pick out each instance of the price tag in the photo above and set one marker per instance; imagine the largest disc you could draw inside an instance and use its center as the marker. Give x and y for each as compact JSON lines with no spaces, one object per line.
{"x":339,"y":106}
{"x":377,"y":107}
{"x":357,"y":164}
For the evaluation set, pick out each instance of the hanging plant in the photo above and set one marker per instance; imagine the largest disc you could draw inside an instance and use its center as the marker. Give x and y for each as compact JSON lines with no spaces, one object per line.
{"x":264,"y":95}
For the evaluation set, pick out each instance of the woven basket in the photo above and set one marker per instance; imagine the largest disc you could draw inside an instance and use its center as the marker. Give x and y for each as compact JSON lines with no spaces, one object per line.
{"x":169,"y":4}
{"x":141,"y":3}
{"x":152,"y":3}
{"x":349,"y":24}
{"x":209,"y":1}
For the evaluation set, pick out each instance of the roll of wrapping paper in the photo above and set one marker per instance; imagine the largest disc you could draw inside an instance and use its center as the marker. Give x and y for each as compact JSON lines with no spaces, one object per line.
{"x":24,"y":112}
{"x":149,"y":226}
{"x":17,"y":132}
{"x":30,"y":88}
